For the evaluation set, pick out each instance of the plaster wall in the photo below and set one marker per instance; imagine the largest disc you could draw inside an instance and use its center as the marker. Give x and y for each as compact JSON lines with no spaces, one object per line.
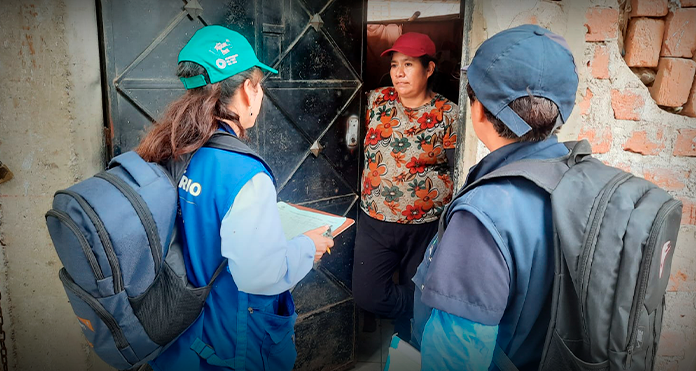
{"x":51,"y":135}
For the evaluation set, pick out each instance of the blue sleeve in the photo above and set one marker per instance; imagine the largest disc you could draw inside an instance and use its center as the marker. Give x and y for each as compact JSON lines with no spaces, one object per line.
{"x":468,"y":276}
{"x":261,"y":260}
{"x":454,"y":343}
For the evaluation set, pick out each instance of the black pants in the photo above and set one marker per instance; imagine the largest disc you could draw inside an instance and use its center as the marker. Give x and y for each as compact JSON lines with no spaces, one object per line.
{"x":382,"y":248}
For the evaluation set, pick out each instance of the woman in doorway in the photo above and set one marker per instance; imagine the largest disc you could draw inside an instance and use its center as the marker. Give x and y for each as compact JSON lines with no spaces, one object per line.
{"x":406,"y":181}
{"x":248,"y":320}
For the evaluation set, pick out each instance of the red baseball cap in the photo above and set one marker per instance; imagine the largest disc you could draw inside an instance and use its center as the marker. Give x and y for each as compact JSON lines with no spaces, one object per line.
{"x":413,"y":44}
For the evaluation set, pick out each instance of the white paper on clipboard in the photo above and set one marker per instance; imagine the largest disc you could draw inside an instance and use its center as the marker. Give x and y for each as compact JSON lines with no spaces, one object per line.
{"x":296,"y":221}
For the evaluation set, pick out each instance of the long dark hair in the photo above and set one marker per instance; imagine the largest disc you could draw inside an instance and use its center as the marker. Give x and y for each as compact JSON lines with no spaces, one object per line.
{"x":191,"y":120}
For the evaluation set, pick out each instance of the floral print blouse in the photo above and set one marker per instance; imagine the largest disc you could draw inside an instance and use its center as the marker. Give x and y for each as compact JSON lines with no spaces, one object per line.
{"x":406,"y":178}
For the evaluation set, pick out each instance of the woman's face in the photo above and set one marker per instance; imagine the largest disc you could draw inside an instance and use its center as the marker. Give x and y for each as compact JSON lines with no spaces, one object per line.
{"x":408,"y":75}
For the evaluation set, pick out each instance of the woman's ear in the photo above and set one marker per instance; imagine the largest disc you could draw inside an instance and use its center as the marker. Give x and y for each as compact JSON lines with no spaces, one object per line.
{"x":249,"y":91}
{"x":431,"y":68}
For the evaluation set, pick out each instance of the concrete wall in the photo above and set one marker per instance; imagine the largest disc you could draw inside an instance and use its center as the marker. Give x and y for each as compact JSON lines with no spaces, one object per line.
{"x":616,"y":112}
{"x":51,"y":135}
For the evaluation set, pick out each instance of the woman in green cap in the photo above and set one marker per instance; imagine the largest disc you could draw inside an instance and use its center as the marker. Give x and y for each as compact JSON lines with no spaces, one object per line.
{"x":228,"y":211}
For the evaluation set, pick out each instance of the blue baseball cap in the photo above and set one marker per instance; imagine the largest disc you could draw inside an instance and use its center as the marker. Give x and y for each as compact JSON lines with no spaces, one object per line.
{"x":520,"y":60}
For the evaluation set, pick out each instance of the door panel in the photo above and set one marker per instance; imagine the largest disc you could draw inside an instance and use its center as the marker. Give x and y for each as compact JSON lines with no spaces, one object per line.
{"x":303,"y":129}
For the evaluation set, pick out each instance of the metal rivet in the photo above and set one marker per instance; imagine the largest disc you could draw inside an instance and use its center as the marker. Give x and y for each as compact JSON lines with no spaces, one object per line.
{"x":316,"y":148}
{"x":251,"y":310}
{"x":422,"y":287}
{"x":316,"y":22}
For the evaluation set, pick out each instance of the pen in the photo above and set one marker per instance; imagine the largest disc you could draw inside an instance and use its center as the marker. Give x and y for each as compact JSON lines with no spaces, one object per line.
{"x":328,"y":234}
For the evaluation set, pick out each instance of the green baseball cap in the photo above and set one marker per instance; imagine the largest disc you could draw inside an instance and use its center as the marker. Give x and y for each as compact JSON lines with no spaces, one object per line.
{"x":222,"y":52}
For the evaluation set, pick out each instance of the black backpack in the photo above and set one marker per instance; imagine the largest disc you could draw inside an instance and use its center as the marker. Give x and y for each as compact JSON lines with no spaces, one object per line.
{"x":123,"y":264}
{"x":615,"y":238}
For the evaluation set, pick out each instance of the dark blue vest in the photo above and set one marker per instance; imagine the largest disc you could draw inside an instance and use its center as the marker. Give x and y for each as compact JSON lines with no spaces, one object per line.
{"x":517,"y":213}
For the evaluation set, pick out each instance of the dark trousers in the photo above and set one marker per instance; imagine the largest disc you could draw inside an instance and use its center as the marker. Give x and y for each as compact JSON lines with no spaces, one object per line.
{"x":382,"y":248}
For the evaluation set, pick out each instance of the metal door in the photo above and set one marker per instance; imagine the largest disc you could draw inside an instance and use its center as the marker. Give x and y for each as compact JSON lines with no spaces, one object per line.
{"x":308,"y":129}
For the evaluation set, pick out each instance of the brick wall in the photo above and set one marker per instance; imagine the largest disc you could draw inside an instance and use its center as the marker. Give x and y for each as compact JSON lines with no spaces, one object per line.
{"x":660,"y":41}
{"x":637,"y":109}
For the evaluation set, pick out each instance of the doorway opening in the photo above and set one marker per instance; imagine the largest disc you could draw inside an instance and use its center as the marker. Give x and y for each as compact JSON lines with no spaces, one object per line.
{"x":441,"y":20}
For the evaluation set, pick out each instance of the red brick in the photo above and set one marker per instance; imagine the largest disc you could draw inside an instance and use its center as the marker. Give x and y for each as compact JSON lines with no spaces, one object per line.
{"x":639,"y":143}
{"x":690,"y":106}
{"x":648,"y":8}
{"x":602,"y":24}
{"x":643,"y":42}
{"x":601,"y":142}
{"x":586,"y":102}
{"x":665,"y":178}
{"x":673,"y":81}
{"x":686,"y":143}
{"x":600,"y":62}
{"x":688,"y":3}
{"x":680,"y":34}
{"x":626,"y":104}
{"x":688,"y":211}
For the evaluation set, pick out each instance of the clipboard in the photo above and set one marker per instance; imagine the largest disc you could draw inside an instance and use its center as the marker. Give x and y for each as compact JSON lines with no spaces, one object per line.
{"x":299,"y":219}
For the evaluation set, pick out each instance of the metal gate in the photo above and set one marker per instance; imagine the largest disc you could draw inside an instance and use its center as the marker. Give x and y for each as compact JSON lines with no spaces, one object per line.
{"x":308,"y":130}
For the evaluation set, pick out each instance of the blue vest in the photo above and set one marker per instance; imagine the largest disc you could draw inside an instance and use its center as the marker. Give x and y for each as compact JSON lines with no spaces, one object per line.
{"x":236,"y":330}
{"x":517,"y":214}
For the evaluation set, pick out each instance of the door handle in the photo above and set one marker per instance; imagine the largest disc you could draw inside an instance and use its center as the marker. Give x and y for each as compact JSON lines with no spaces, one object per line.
{"x":352,"y":124}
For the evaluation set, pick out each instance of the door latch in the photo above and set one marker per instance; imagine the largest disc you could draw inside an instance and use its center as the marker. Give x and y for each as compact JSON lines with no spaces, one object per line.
{"x":352,"y":132}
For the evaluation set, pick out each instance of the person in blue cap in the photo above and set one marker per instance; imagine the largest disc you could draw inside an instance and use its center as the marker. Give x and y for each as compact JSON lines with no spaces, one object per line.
{"x":489,"y":279}
{"x":228,"y":210}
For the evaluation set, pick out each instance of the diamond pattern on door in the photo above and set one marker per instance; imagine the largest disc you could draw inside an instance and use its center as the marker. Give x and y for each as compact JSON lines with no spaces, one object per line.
{"x":314,"y":56}
{"x":317,"y":45}
{"x":312,"y":109}
{"x":315,"y":179}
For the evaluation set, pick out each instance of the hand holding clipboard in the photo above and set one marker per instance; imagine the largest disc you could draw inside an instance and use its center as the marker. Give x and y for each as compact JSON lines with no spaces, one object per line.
{"x":297,"y":220}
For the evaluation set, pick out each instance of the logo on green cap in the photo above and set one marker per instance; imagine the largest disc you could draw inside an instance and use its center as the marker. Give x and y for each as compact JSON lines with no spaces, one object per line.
{"x":223,"y":48}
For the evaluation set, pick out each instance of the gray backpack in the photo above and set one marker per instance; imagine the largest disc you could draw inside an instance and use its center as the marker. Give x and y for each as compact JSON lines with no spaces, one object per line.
{"x":615,"y":238}
{"x":123,"y":264}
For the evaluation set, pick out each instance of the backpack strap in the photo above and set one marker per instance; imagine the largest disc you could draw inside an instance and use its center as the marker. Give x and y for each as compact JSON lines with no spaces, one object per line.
{"x":544,"y":173}
{"x":228,"y":142}
{"x":220,"y":140}
{"x":207,"y":352}
{"x":501,"y":360}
